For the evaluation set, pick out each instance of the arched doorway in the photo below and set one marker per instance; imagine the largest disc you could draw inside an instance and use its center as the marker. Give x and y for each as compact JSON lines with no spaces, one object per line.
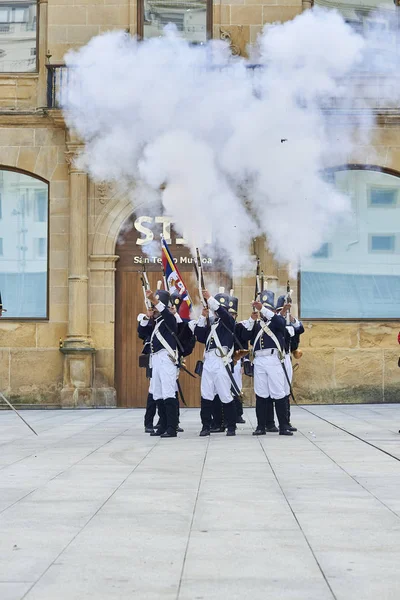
{"x":130,"y":380}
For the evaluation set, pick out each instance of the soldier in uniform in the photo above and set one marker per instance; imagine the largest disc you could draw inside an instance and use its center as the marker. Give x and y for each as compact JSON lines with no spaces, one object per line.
{"x":144,"y":335}
{"x":294,"y":329}
{"x":267,"y":338}
{"x":215,"y":380}
{"x":163,"y":360}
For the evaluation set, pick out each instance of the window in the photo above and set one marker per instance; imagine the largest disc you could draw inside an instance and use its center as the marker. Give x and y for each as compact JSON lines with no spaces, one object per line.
{"x":40,"y":247}
{"x":192,"y":18}
{"x":18,"y":36}
{"x":381,"y":196}
{"x":41,"y":206}
{"x":356,"y":274}
{"x":382,"y":243}
{"x":24,"y":231}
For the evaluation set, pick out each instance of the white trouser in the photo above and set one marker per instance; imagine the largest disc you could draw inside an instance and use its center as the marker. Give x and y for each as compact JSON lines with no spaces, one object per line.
{"x":163,"y":378}
{"x":215,"y":380}
{"x":289,"y":371}
{"x":269,"y":378}
{"x":237,"y":374}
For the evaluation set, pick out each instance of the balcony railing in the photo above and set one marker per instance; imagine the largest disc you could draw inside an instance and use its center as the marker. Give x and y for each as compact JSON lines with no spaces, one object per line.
{"x":369,"y":90}
{"x":57,"y":77}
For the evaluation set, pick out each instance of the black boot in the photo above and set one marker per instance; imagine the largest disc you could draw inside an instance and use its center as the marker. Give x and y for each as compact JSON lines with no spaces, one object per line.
{"x":162,"y":424}
{"x":178,"y":414}
{"x":230,"y":417}
{"x":261,"y":414}
{"x":281,"y":413}
{"x":149,"y":414}
{"x":270,"y":421}
{"x":239,"y":410}
{"x":291,"y":428}
{"x":205,"y":416}
{"x":171,"y":416}
{"x":217,"y":416}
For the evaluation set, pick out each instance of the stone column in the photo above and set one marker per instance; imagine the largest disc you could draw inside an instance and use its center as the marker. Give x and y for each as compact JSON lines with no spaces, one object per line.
{"x":77,"y":347}
{"x":42,"y":47}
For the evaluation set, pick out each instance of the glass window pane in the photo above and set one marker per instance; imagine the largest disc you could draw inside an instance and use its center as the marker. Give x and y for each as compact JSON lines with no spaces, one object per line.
{"x":381,"y":196}
{"x":356,"y":275}
{"x":17,"y":36}
{"x":189,"y":16}
{"x":23,"y":229}
{"x":382,"y":243}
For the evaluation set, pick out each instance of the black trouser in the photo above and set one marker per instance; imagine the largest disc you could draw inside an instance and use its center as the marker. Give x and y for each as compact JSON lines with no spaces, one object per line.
{"x":217,"y":413}
{"x":151,"y":407}
{"x":288,"y":408}
{"x":230,"y":415}
{"x":261,"y":412}
{"x":281,"y":412}
{"x":206,"y":413}
{"x":178,"y":410}
{"x":270,"y":421}
{"x":238,"y":406}
{"x":168,"y":415}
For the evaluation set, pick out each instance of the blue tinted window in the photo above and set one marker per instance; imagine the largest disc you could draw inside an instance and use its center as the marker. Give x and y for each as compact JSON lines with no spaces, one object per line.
{"x":383,"y":197}
{"x":359,"y":277}
{"x":23,"y":229}
{"x":382,"y":243}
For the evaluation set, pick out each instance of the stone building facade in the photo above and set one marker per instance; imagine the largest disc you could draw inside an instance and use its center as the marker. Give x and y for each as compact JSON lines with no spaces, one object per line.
{"x":67,"y":357}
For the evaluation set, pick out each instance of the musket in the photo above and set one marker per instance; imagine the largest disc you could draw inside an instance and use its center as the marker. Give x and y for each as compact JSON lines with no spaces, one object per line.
{"x":15,"y":410}
{"x":200,"y":278}
{"x":145,"y":287}
{"x":257,"y":288}
{"x":262,"y":281}
{"x":288,"y":300}
{"x":165,"y":279}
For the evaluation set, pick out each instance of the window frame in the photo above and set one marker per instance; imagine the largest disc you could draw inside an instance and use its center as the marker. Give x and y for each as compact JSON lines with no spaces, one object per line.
{"x":35,"y":72}
{"x":380,"y":206}
{"x":4,"y":316}
{"x":330,"y":171}
{"x":140,"y":19}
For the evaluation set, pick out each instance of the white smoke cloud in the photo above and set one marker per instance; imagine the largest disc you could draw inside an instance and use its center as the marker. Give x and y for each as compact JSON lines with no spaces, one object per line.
{"x":163,"y":112}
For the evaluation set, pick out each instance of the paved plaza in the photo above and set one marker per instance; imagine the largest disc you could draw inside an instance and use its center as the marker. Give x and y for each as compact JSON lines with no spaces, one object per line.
{"x":94,"y":508}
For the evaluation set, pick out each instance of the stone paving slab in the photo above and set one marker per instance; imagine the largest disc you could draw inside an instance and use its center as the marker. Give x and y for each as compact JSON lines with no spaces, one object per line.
{"x":94,"y":508}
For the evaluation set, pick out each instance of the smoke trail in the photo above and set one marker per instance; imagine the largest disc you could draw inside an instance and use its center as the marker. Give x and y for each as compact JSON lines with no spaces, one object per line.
{"x":239,"y":152}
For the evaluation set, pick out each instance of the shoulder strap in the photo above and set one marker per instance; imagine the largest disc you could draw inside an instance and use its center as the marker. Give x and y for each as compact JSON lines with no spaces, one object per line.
{"x":226,"y":358}
{"x":265,"y":329}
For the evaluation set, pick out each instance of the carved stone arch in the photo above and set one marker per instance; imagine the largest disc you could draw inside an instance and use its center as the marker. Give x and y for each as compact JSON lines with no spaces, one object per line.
{"x":109,"y":224}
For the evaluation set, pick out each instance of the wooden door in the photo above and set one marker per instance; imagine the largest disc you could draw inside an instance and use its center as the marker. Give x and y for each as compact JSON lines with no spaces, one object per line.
{"x":130,"y":381}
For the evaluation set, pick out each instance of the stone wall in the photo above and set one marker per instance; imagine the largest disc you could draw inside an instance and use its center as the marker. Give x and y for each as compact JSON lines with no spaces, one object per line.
{"x":31,"y":365}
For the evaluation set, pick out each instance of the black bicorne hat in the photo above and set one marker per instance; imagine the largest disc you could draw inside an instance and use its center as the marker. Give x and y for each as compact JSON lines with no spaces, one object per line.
{"x":233,"y":304}
{"x":223,"y":299}
{"x":163,"y":296}
{"x":280,"y":302}
{"x":267,"y":298}
{"x":176,"y":300}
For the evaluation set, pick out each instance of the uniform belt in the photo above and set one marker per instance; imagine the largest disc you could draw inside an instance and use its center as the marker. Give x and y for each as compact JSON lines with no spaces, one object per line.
{"x":158,"y":351}
{"x":216,"y":351}
{"x":266,"y":352}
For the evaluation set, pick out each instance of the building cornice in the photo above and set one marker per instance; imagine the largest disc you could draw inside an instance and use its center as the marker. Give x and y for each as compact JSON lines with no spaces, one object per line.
{"x":43,"y":116}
